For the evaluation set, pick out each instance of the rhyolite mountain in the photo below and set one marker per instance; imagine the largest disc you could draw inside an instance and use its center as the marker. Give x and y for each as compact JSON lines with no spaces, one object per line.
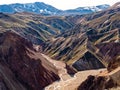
{"x":21,"y":67}
{"x":45,"y":9}
{"x":75,"y":42}
{"x":91,"y":44}
{"x":36,"y":28}
{"x":74,"y":39}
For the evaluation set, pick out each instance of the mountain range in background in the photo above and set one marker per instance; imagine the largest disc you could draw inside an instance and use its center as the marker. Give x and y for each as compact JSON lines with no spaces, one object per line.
{"x":42,"y":8}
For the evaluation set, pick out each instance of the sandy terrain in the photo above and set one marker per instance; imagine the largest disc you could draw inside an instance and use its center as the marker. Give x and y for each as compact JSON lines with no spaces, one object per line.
{"x":60,"y":66}
{"x":67,"y":82}
{"x":73,"y":82}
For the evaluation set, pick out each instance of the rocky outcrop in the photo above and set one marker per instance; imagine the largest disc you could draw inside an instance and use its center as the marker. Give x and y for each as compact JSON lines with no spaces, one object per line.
{"x":90,"y":83}
{"x":88,"y":61}
{"x":18,"y":55}
{"x":97,"y":83}
{"x":109,"y":80}
{"x":70,"y":70}
{"x":114,"y":63}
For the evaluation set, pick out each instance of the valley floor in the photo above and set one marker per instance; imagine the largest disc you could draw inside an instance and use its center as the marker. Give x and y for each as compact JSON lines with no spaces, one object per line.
{"x":67,"y":82}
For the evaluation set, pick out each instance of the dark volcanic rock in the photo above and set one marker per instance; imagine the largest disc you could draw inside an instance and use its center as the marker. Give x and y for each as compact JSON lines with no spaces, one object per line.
{"x":97,"y":83}
{"x":88,"y":61}
{"x":93,"y":83}
{"x":28,"y":71}
{"x":70,"y":70}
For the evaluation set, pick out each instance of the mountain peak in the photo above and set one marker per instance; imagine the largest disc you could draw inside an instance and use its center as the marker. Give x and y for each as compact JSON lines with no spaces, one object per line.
{"x":95,"y":8}
{"x":45,"y":9}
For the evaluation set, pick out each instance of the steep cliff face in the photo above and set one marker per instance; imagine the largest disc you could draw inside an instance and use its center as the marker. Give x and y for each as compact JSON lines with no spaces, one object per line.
{"x":27,"y":66}
{"x":88,"y":61}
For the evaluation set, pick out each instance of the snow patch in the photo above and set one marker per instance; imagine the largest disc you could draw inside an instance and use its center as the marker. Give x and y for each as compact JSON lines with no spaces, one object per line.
{"x":41,"y":10}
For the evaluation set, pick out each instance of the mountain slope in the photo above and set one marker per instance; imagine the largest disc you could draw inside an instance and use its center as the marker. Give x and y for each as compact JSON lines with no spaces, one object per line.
{"x":21,"y":67}
{"x":85,"y":10}
{"x":94,"y":34}
{"x":36,"y":28}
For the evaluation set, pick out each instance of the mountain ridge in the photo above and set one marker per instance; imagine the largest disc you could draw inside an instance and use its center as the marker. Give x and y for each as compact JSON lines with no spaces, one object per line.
{"x":45,"y":9}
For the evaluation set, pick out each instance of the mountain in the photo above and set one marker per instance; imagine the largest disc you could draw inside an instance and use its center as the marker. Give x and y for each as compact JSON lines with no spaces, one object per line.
{"x":75,"y":52}
{"x":21,"y":67}
{"x":34,"y":27}
{"x":68,"y":38}
{"x":93,"y":43}
{"x":88,"y":41}
{"x":85,"y":10}
{"x":37,"y":7}
{"x":45,"y":9}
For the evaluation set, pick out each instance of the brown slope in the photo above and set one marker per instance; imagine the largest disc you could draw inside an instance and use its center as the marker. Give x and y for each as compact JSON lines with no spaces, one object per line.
{"x":100,"y":22}
{"x":34,"y":27}
{"x":29,"y":71}
{"x":109,"y":50}
{"x":109,"y":79}
{"x":75,"y":50}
